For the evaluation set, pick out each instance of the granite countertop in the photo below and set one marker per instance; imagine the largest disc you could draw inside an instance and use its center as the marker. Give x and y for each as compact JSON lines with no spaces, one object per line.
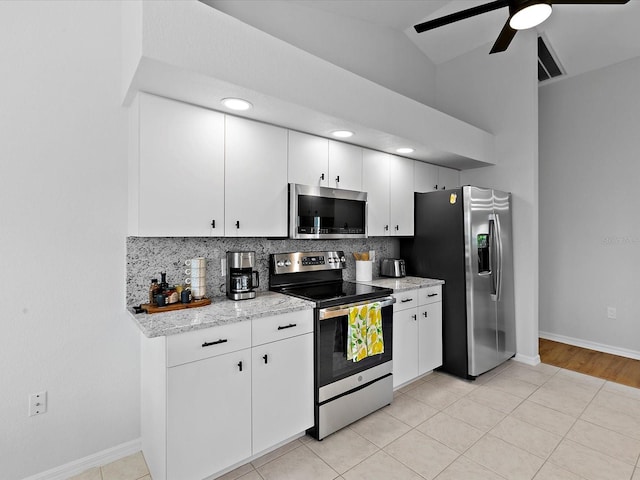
{"x":222,"y":311}
{"x":404,"y":283}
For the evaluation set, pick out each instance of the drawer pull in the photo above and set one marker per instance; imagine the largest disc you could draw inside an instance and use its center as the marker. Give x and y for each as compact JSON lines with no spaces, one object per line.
{"x":240,"y":365}
{"x":266,"y":358}
{"x":291,"y":325}
{"x":208,"y":344}
{"x":405,"y":300}
{"x":415,"y":317}
{"x":425,"y":314}
{"x":432,"y":295}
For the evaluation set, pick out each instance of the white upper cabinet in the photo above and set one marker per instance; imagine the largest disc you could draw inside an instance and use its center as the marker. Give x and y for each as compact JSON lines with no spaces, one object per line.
{"x":388,"y":181}
{"x":345,"y":166}
{"x":180,"y":160}
{"x":432,"y":177}
{"x":375,"y":181}
{"x":308,"y":159}
{"x":426,"y":179}
{"x":256,"y":179}
{"x":322,"y":162}
{"x":401,"y":174}
{"x":448,"y":178}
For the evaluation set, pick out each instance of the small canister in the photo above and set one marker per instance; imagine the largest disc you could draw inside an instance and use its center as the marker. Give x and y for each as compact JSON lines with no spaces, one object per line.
{"x":185,"y":296}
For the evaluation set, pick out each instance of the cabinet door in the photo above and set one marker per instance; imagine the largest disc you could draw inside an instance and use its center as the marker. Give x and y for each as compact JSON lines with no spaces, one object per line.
{"x":401,"y":175}
{"x":181,"y":168}
{"x":282,"y":390}
{"x":345,"y":166}
{"x":448,"y":178}
{"x":256,"y":179}
{"x":375,"y":181}
{"x":405,"y":346}
{"x":208,"y":421}
{"x":426,"y":179}
{"x":308,"y":159}
{"x":430,"y":337}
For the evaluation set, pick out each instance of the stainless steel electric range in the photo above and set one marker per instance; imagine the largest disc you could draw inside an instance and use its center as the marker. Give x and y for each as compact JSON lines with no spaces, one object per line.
{"x":345,"y":390}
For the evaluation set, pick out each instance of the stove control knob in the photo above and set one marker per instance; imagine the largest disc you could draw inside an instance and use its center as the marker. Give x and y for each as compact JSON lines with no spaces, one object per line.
{"x":280,"y":263}
{"x":287,"y":263}
{"x":342,"y":259}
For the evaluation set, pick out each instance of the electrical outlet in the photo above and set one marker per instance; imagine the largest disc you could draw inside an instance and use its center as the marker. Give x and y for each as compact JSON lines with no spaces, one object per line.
{"x":37,"y":403}
{"x":223,"y":266}
{"x":611,"y":313}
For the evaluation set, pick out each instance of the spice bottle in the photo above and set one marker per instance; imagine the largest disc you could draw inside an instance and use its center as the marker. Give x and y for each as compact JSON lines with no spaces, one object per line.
{"x":154,"y":289}
{"x":164,"y":286}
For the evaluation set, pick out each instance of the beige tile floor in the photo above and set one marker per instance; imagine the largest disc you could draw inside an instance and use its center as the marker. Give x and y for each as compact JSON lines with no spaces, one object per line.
{"x":515,"y":423}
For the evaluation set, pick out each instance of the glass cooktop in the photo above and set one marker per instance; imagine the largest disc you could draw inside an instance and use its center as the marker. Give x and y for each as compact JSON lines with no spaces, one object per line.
{"x":337,"y":292}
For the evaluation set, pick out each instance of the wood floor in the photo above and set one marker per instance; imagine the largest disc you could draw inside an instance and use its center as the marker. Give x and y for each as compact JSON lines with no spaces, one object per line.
{"x":597,"y":364}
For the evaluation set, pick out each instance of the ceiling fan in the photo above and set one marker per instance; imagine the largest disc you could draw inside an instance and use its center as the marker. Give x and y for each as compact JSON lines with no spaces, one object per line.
{"x":523,"y":14}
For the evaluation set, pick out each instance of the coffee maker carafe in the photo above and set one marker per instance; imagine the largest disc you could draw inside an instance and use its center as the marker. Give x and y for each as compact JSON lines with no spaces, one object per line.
{"x":241,"y":276}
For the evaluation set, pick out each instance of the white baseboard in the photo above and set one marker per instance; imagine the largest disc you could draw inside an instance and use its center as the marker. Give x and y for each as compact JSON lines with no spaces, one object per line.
{"x":533,"y":361}
{"x":98,"y":459}
{"x":599,"y":347}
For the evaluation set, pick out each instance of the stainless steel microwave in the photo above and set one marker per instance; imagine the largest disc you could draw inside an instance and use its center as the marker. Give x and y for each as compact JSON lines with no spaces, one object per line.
{"x":322,"y":212}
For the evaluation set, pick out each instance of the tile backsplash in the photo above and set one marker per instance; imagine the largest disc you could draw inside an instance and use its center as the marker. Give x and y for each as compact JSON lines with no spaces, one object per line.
{"x":147,"y":257}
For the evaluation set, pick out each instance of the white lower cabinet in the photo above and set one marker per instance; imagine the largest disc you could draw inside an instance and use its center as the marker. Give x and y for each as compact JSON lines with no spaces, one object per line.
{"x":208,"y":428}
{"x":282,"y":390}
{"x":213,"y":398}
{"x":417,"y":333}
{"x":405,"y":346}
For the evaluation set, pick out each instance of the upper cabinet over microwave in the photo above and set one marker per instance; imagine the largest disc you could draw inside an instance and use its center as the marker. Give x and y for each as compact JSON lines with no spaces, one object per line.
{"x":321,"y":212}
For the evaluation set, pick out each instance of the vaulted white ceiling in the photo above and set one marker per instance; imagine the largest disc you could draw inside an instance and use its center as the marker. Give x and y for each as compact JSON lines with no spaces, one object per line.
{"x":583,"y":37}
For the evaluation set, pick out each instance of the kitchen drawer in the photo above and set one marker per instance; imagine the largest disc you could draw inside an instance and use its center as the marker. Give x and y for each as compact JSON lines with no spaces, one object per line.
{"x":430,"y":295}
{"x":270,"y":329}
{"x":207,"y":342}
{"x":404,"y":300}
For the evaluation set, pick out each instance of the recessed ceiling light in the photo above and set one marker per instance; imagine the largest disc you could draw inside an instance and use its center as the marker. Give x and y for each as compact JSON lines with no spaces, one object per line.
{"x":530,"y":16}
{"x":405,"y":150}
{"x":236,"y":104}
{"x":342,"y":133}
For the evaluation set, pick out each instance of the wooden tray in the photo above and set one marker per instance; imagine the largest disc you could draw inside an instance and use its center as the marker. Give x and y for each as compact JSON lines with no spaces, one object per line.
{"x":175,"y":306}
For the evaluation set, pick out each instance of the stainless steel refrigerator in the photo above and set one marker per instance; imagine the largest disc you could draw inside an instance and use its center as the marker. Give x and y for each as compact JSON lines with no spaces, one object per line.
{"x":463,"y":236}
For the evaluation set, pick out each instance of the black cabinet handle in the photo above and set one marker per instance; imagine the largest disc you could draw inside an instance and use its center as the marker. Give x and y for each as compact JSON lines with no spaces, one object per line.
{"x":240,"y":365}
{"x":322,"y":177}
{"x":291,"y":325}
{"x":435,"y":187}
{"x":213,"y":224}
{"x":238,"y":224}
{"x":405,"y":300}
{"x":425,"y":314}
{"x":432,"y":295}
{"x":265,"y":358}
{"x":217,"y":342}
{"x":415,"y":317}
{"x":386,"y":227}
{"x":397,"y":227}
{"x":338,"y":179}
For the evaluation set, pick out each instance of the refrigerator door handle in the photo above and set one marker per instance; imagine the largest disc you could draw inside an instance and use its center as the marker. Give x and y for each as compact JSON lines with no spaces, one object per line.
{"x":499,"y":259}
{"x":492,"y":256}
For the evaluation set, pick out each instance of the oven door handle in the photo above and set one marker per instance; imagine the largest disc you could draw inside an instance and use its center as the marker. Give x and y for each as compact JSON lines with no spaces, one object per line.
{"x":332,"y":312}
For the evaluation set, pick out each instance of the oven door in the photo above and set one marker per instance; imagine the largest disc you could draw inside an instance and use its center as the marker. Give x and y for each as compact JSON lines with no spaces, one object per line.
{"x":332,"y":366}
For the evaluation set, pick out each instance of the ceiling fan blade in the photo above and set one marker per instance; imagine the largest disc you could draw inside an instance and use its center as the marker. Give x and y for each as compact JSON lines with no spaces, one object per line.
{"x":504,"y":39}
{"x":588,"y":2}
{"x":454,"y":17}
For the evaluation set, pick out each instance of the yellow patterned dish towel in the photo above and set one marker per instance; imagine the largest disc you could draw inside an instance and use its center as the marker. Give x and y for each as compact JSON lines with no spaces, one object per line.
{"x":364,"y":332}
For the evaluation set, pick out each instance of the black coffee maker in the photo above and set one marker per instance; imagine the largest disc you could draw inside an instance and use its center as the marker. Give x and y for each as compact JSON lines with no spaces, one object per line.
{"x":241,"y":276}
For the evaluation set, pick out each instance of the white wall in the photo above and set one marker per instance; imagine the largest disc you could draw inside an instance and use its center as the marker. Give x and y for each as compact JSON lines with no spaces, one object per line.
{"x":499,"y":93}
{"x":590,"y":208}
{"x":62,"y":236}
{"x":380,"y":54}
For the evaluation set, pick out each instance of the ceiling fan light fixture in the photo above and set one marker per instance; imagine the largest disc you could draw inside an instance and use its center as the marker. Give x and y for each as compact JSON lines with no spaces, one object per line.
{"x":530,"y":15}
